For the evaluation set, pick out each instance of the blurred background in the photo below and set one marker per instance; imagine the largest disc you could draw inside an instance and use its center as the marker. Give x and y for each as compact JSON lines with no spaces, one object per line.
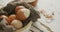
{"x":49,"y":6}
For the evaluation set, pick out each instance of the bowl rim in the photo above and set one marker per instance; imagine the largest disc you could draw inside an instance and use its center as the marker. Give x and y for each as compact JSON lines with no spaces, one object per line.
{"x":25,"y":27}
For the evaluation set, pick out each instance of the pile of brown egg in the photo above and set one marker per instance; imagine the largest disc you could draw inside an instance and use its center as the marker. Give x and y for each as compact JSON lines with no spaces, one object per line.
{"x":16,"y":16}
{"x":15,"y":20}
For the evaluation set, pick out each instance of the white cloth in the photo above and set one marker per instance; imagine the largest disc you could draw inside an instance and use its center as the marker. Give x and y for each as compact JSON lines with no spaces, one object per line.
{"x":3,"y":3}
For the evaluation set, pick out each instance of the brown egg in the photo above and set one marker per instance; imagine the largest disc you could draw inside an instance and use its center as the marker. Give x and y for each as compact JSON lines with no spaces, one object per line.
{"x":3,"y":16}
{"x":19,"y":7}
{"x":6,"y":18}
{"x":16,"y":23}
{"x":11,"y":18}
{"x":23,"y":14}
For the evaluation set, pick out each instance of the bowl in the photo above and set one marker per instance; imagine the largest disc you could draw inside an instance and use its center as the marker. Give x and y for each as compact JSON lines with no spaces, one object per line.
{"x":31,"y":19}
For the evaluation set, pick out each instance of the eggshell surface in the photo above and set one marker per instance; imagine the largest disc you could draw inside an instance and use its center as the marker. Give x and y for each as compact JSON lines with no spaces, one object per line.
{"x":17,"y":23}
{"x":23,"y":14}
